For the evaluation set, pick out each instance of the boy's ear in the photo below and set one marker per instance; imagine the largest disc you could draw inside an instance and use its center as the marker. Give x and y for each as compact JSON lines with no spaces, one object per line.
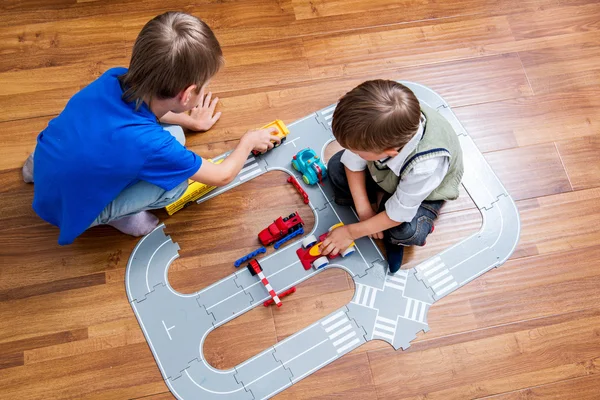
{"x":185,"y":95}
{"x":391,"y":152}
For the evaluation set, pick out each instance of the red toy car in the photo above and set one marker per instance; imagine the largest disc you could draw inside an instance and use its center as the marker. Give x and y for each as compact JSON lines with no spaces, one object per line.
{"x":280,"y":228}
{"x":310,"y":255}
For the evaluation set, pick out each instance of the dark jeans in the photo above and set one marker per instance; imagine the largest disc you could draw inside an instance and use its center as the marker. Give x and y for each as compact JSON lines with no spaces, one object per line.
{"x":410,"y":233}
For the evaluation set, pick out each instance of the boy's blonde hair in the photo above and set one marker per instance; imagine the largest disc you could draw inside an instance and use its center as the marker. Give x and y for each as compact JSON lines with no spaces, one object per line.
{"x":375,"y":116}
{"x":172,"y":52}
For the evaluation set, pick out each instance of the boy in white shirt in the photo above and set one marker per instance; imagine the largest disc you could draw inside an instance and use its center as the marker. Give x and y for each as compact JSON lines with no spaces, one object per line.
{"x":414,"y":163}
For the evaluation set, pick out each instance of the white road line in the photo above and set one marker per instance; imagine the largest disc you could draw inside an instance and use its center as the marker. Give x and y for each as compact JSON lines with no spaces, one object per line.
{"x":387,"y":320}
{"x":333,"y":318}
{"x":290,"y":142}
{"x":438,"y":276}
{"x":150,"y":261}
{"x":383,"y":335}
{"x":314,"y":369}
{"x":346,"y":347}
{"x":441,"y":283}
{"x":408,"y":305}
{"x":344,"y":338}
{"x":249,"y":160}
{"x":304,"y":352}
{"x":431,"y":271}
{"x":447,"y":288}
{"x":385,"y":328}
{"x":328,"y":117}
{"x":168,"y":329}
{"x":329,"y":110}
{"x":359,"y":291}
{"x":372,"y":302}
{"x":388,"y":284}
{"x":427,"y":264}
{"x":337,"y":324}
{"x":249,"y":167}
{"x":251,"y":174}
{"x":340,"y":331}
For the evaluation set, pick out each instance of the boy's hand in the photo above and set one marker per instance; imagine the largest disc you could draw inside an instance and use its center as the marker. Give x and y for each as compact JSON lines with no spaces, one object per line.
{"x":338,"y":240}
{"x":261,"y":140}
{"x":203,"y":116}
{"x":366,"y":212}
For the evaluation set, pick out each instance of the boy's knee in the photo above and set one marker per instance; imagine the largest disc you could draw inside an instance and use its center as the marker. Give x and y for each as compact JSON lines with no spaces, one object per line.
{"x":412,"y":233}
{"x":177,"y":132}
{"x":336,"y":171}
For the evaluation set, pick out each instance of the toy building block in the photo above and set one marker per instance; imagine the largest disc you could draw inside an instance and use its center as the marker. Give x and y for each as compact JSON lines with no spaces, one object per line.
{"x":310,"y":254}
{"x":255,"y":269}
{"x":308,"y":163}
{"x":282,"y":132}
{"x":288,"y":237}
{"x":250,"y":255}
{"x":281,"y":295}
{"x":294,"y":182}
{"x":194,"y":191}
{"x":280,"y":228}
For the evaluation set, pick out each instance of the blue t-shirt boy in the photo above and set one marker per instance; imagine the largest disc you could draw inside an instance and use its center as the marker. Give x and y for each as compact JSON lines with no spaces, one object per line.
{"x":98,"y":146}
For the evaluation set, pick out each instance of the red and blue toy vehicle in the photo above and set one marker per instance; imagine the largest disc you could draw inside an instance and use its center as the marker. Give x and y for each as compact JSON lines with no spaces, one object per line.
{"x":279,"y":228}
{"x":310,"y":254}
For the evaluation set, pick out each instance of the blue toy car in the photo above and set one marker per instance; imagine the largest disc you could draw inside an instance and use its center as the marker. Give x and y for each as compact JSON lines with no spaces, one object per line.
{"x":308,"y":163}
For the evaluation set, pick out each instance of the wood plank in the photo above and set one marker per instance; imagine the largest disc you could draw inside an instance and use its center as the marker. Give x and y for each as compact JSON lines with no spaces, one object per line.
{"x":18,"y":141}
{"x":62,"y":285}
{"x":124,"y":371}
{"x":419,"y":45}
{"x":581,"y":160}
{"x":348,"y":377}
{"x":529,"y":172}
{"x":563,"y":68}
{"x":488,"y":366}
{"x":51,"y":44}
{"x":581,"y":388}
{"x":550,"y":22}
{"x":100,"y":337}
{"x":531,"y":120}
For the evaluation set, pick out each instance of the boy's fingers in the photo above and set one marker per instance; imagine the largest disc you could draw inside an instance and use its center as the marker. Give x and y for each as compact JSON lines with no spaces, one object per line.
{"x":276,"y":139}
{"x":206,"y":100}
{"x":216,"y":117}
{"x":213,"y":104}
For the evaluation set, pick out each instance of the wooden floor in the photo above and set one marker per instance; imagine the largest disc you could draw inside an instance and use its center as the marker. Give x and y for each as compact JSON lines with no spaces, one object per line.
{"x":522,"y":76}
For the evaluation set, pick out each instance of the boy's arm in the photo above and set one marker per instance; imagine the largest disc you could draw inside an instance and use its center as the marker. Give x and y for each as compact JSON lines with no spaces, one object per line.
{"x":221,"y":174}
{"x":200,"y":118}
{"x":358,"y":189}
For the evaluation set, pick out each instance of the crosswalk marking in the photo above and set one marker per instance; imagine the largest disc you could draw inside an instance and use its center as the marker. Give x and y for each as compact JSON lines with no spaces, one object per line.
{"x":437,"y":276}
{"x":447,"y":288}
{"x":415,"y":310}
{"x":340,"y":325}
{"x":384,"y":328}
{"x":397,"y":281}
{"x":365,"y":295}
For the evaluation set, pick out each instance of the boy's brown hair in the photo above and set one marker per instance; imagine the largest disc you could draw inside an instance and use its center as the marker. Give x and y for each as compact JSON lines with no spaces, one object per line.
{"x":375,"y":116}
{"x":172,"y":52}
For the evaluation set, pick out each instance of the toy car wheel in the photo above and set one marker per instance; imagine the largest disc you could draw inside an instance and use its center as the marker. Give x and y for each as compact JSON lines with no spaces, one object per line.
{"x":348,"y":251}
{"x":320,"y":262}
{"x":309,"y":241}
{"x":285,"y":219}
{"x":292,"y":215}
{"x":305,"y":179}
{"x":295,"y":165}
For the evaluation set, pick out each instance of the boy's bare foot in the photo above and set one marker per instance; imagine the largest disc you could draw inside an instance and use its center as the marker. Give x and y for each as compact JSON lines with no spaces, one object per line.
{"x":28,"y":169}
{"x":139,"y":224}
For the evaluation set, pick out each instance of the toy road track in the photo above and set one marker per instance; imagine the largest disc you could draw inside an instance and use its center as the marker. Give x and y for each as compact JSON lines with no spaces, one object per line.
{"x":386,"y":307}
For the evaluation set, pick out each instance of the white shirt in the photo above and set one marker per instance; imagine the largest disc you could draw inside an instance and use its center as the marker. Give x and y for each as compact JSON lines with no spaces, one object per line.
{"x":416,"y":185}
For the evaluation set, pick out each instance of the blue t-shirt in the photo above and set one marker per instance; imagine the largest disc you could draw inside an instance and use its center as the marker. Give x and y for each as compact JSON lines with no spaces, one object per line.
{"x":98,"y":146}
